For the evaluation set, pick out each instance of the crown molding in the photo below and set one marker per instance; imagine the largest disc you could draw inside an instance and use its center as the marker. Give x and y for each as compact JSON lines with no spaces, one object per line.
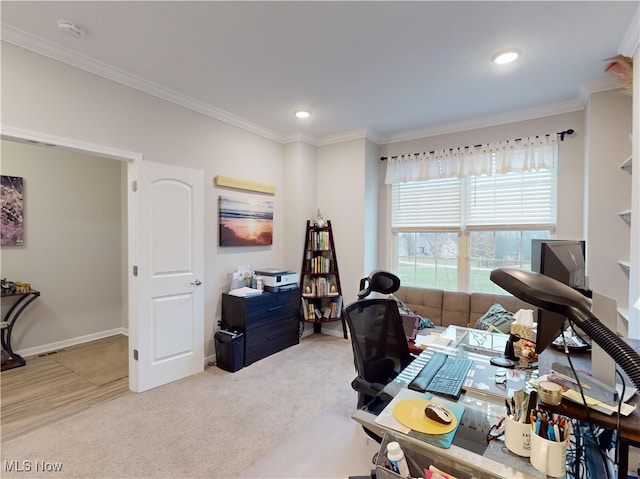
{"x":487,"y":121}
{"x":631,"y":40}
{"x":43,"y":47}
{"x":300,"y":136}
{"x":597,"y":85}
{"x":362,"y":133}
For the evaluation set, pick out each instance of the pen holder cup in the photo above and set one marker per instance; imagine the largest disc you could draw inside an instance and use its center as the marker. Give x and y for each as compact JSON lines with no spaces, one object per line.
{"x":549,"y":457}
{"x":517,"y":437}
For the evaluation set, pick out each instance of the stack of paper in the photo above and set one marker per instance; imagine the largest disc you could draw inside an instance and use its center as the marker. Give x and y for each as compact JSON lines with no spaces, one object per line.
{"x":245,"y":292}
{"x":422,"y":341}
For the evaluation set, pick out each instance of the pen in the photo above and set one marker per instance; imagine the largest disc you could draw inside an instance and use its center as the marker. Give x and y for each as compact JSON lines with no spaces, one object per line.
{"x":506,"y":403}
{"x":550,"y":432}
{"x":556,"y":432}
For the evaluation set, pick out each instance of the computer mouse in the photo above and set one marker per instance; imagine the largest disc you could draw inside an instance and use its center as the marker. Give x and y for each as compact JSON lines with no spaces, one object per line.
{"x":438,"y":413}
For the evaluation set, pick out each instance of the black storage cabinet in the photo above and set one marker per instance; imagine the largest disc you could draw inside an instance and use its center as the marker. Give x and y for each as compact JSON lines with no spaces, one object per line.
{"x":270,"y":321}
{"x":229,"y":350}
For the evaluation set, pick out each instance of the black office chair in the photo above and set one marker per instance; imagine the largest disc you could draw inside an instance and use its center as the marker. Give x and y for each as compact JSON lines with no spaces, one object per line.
{"x":379,"y":342}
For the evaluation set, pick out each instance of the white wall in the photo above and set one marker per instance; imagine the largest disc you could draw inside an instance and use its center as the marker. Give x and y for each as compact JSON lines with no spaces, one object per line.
{"x":300,"y":168}
{"x":371,"y":206}
{"x":608,"y":192}
{"x":340,"y":196}
{"x":73,"y":251}
{"x":570,"y":164}
{"x":48,"y":97}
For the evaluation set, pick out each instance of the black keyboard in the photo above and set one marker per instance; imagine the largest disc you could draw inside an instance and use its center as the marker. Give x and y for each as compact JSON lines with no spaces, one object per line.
{"x":442,"y":375}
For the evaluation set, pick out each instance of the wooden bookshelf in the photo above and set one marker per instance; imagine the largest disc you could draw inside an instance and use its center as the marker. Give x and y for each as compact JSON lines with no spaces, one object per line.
{"x":320,"y":279}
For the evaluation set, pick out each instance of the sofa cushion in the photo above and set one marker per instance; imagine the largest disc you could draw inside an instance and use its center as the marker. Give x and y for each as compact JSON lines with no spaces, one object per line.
{"x":455,"y":308}
{"x":425,"y":302}
{"x":496,"y":317}
{"x":407,"y":311}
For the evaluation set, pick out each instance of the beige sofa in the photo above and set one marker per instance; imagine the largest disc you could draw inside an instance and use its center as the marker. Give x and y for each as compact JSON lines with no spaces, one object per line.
{"x":445,"y":308}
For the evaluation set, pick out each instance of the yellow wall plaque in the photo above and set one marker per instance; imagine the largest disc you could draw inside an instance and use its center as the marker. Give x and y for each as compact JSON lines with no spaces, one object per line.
{"x":244,"y":184}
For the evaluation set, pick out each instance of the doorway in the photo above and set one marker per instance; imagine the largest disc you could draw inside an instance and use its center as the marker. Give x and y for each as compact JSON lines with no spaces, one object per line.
{"x":164,"y":236}
{"x":76,"y":245}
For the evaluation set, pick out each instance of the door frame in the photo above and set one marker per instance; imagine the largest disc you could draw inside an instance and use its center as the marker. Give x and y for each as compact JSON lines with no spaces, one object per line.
{"x":132,"y":159}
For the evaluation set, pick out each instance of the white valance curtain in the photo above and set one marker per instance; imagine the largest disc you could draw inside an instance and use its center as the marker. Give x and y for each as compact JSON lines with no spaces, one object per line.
{"x":526,"y":154}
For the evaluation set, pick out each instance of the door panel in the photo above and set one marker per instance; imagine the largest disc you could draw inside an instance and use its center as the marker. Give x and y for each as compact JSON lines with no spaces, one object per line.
{"x":169,"y":255}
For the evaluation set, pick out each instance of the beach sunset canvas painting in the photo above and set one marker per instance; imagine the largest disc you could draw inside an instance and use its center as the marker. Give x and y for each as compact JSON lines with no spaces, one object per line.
{"x":245,"y":222}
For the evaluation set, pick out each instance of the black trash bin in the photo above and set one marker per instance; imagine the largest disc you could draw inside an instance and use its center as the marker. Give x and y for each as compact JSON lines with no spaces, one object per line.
{"x":229,"y":350}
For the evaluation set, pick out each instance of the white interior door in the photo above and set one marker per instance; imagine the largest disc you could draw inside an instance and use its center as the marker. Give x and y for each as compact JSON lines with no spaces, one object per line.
{"x":166,"y":339}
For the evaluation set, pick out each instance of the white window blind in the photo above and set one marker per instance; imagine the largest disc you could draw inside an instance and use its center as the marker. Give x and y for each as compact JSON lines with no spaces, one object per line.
{"x":424,"y":205}
{"x":512,"y":199}
{"x":523,"y":199}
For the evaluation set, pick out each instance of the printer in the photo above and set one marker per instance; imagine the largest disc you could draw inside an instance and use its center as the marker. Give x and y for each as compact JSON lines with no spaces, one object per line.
{"x":275,"y":279}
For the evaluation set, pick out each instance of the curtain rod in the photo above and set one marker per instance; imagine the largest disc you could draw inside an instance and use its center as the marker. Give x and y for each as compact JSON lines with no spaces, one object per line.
{"x":562,"y":134}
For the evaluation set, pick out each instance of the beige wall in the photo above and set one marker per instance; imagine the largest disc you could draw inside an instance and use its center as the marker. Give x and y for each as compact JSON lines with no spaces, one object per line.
{"x":73,"y":248}
{"x":341,"y":190}
{"x":47,"y":97}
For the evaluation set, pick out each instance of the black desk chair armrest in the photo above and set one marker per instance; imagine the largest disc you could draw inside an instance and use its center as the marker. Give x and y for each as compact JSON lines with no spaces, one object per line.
{"x":363,"y":386}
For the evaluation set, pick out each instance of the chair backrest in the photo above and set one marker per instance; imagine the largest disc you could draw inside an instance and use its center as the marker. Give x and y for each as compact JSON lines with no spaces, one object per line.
{"x":378,"y":338}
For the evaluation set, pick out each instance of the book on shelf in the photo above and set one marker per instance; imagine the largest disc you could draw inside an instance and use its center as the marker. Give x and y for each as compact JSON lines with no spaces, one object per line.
{"x":319,"y":264}
{"x":321,"y":286}
{"x":312,"y":311}
{"x":319,"y":241}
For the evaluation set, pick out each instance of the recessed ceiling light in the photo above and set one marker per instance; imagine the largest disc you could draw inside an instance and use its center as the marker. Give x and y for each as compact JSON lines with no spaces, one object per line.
{"x":71,"y":28}
{"x":505,"y":56}
{"x":302,"y":114}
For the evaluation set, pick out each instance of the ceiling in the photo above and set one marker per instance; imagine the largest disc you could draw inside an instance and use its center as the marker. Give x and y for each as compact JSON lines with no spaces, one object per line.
{"x":392,"y":69}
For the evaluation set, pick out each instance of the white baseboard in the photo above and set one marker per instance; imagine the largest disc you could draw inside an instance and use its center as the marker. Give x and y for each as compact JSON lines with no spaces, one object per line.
{"x":45,"y":348}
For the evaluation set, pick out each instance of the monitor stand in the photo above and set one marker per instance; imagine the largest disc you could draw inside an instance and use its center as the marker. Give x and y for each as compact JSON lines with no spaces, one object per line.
{"x":502,"y":362}
{"x":603,"y":367}
{"x":509,"y":358}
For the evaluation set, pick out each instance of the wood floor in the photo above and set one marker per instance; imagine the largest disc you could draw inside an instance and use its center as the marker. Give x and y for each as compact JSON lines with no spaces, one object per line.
{"x":44,"y":391}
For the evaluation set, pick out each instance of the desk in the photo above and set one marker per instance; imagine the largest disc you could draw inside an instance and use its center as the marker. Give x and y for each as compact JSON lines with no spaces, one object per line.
{"x":629,"y":425}
{"x":468,"y":454}
{"x":22,"y":300}
{"x":495,"y":462}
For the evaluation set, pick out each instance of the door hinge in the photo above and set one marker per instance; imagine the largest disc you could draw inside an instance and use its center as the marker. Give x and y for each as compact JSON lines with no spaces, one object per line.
{"x":135,"y":271}
{"x":134,"y":186}
{"x":135,"y":354}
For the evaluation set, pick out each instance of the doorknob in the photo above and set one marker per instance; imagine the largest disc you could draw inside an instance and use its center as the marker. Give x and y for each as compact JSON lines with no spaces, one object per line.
{"x":197,"y":282}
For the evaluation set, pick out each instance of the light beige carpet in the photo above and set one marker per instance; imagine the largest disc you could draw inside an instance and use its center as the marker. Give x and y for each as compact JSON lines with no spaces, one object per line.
{"x":213,"y":425}
{"x":100,"y":365}
{"x":340,"y":448}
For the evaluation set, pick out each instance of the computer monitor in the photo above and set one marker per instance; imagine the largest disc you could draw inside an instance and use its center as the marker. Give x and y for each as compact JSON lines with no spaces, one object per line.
{"x":549,"y":294}
{"x":564,"y":261}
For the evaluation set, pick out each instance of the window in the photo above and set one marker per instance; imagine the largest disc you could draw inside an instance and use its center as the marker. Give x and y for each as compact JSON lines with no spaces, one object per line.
{"x":451,"y":232}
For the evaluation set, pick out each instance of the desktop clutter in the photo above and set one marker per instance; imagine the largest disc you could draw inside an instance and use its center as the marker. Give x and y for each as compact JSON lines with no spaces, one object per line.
{"x":246,"y":282}
{"x":533,"y":432}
